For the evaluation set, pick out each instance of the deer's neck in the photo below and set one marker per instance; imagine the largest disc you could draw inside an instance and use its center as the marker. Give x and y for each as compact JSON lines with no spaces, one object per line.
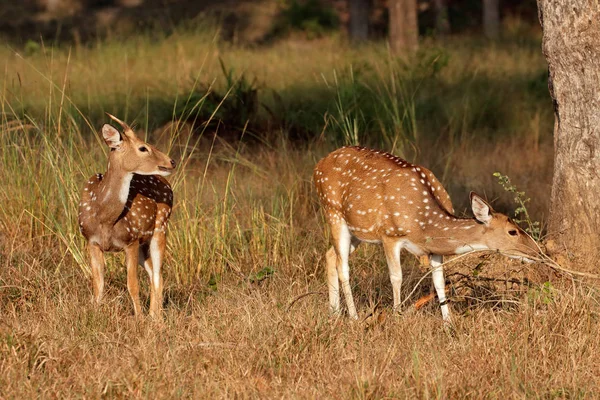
{"x":455,"y":236}
{"x":113,"y":192}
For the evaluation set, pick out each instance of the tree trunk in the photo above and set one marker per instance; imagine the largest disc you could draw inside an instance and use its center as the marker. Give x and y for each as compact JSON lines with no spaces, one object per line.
{"x":359,"y":20}
{"x":571,"y":45}
{"x":404,"y":30}
{"x":442,"y":23}
{"x":491,"y":18}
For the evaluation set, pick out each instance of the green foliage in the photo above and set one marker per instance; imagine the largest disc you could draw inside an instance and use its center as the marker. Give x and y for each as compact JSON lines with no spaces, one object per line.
{"x":235,"y":107}
{"x":348,"y":117}
{"x":521,"y":213}
{"x":243,"y":95}
{"x":430,"y":62}
{"x":213,"y":282}
{"x":311,"y":17}
{"x":477,"y":270}
{"x":261,"y":275}
{"x":456,"y":93}
{"x":31,"y":47}
{"x":382,"y":107}
{"x":543,"y":294}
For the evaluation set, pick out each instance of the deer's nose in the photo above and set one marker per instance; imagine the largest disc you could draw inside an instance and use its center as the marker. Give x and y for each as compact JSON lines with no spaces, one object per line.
{"x":173,"y":163}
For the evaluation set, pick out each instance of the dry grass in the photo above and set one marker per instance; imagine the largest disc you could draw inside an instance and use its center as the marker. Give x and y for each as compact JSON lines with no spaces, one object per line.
{"x":242,"y":341}
{"x":239,"y":336}
{"x":246,"y":307}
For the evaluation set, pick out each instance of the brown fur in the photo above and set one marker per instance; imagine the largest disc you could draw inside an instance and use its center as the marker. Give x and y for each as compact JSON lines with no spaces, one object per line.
{"x":377,"y":197}
{"x":122,"y":210}
{"x":375,"y":192}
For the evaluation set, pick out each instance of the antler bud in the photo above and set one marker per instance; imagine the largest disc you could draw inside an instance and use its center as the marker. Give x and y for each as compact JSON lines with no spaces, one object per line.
{"x":126,"y":128}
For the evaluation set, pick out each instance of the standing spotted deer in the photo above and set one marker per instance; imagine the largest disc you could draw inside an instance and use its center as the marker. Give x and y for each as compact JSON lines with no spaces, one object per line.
{"x":127,"y":209}
{"x":372,"y":196}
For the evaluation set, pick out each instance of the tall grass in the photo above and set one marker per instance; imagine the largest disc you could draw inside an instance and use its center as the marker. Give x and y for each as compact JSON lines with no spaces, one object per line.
{"x":463,"y":91}
{"x":245,"y":291}
{"x":52,"y":104}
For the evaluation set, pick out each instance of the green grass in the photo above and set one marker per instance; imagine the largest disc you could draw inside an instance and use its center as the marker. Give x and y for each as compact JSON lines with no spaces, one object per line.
{"x":461,"y":90}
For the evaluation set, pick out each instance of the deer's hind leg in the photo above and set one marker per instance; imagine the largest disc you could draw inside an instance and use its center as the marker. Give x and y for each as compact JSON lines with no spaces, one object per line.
{"x":147,"y":261}
{"x":343,"y":245}
{"x":157,"y":253}
{"x":144,"y":259}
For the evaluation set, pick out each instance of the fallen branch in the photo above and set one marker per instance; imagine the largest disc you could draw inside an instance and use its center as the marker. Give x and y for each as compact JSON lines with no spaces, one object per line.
{"x":301,"y":297}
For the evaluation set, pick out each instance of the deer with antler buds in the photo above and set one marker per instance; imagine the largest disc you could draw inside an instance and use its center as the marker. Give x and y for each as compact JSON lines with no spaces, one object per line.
{"x":376,"y":197}
{"x":127,"y":209}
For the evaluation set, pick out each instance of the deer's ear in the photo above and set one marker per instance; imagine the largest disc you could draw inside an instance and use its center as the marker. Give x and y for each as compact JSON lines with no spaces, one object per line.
{"x":112,"y":137}
{"x":481,"y":209}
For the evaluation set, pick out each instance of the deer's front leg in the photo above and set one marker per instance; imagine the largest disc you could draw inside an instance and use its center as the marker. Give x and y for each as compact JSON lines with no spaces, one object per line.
{"x":392,"y":249}
{"x":133,"y":286}
{"x":97,"y":262}
{"x":440,"y":286}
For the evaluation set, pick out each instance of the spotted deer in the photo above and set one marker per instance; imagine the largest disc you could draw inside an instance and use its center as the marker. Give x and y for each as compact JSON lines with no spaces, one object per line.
{"x":375,"y":197}
{"x":127,"y":209}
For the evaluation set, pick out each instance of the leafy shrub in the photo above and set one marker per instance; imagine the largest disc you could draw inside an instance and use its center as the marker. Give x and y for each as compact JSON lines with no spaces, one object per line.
{"x":521,"y":213}
{"x":236,"y":107}
{"x":311,"y":17}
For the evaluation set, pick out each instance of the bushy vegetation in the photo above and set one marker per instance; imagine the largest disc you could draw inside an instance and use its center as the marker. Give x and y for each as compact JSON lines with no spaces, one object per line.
{"x":245,"y":289}
{"x":310,"y":17}
{"x":461,"y":91}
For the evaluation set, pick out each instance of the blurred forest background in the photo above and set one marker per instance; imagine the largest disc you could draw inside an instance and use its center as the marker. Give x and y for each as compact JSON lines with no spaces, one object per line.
{"x":256,"y":21}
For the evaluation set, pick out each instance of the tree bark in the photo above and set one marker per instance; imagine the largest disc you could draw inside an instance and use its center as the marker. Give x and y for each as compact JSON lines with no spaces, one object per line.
{"x":491,"y":18}
{"x":571,"y":45}
{"x":404,"y":29}
{"x":442,"y":23}
{"x":359,"y":20}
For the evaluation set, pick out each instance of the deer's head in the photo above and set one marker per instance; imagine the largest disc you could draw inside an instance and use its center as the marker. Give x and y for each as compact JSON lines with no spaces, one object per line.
{"x":130,"y":154}
{"x":501,"y":233}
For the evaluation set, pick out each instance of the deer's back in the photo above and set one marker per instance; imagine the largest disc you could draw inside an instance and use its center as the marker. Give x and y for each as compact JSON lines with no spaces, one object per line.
{"x":376,"y":192}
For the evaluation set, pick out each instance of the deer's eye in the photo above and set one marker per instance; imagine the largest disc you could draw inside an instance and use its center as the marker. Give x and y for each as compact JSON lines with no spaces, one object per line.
{"x":513,"y":232}
{"x":143,"y":149}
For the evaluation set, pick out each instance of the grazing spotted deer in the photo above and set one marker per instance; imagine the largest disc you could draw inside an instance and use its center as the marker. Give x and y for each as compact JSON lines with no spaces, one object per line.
{"x":127,"y":209}
{"x":376,"y":197}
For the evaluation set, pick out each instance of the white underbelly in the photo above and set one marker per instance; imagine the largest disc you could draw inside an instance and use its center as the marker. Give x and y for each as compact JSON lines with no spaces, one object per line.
{"x":404,"y":243}
{"x":374,"y":241}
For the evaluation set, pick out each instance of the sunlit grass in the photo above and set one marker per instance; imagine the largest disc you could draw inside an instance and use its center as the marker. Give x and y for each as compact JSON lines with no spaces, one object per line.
{"x":245,"y":314}
{"x":463,"y":88}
